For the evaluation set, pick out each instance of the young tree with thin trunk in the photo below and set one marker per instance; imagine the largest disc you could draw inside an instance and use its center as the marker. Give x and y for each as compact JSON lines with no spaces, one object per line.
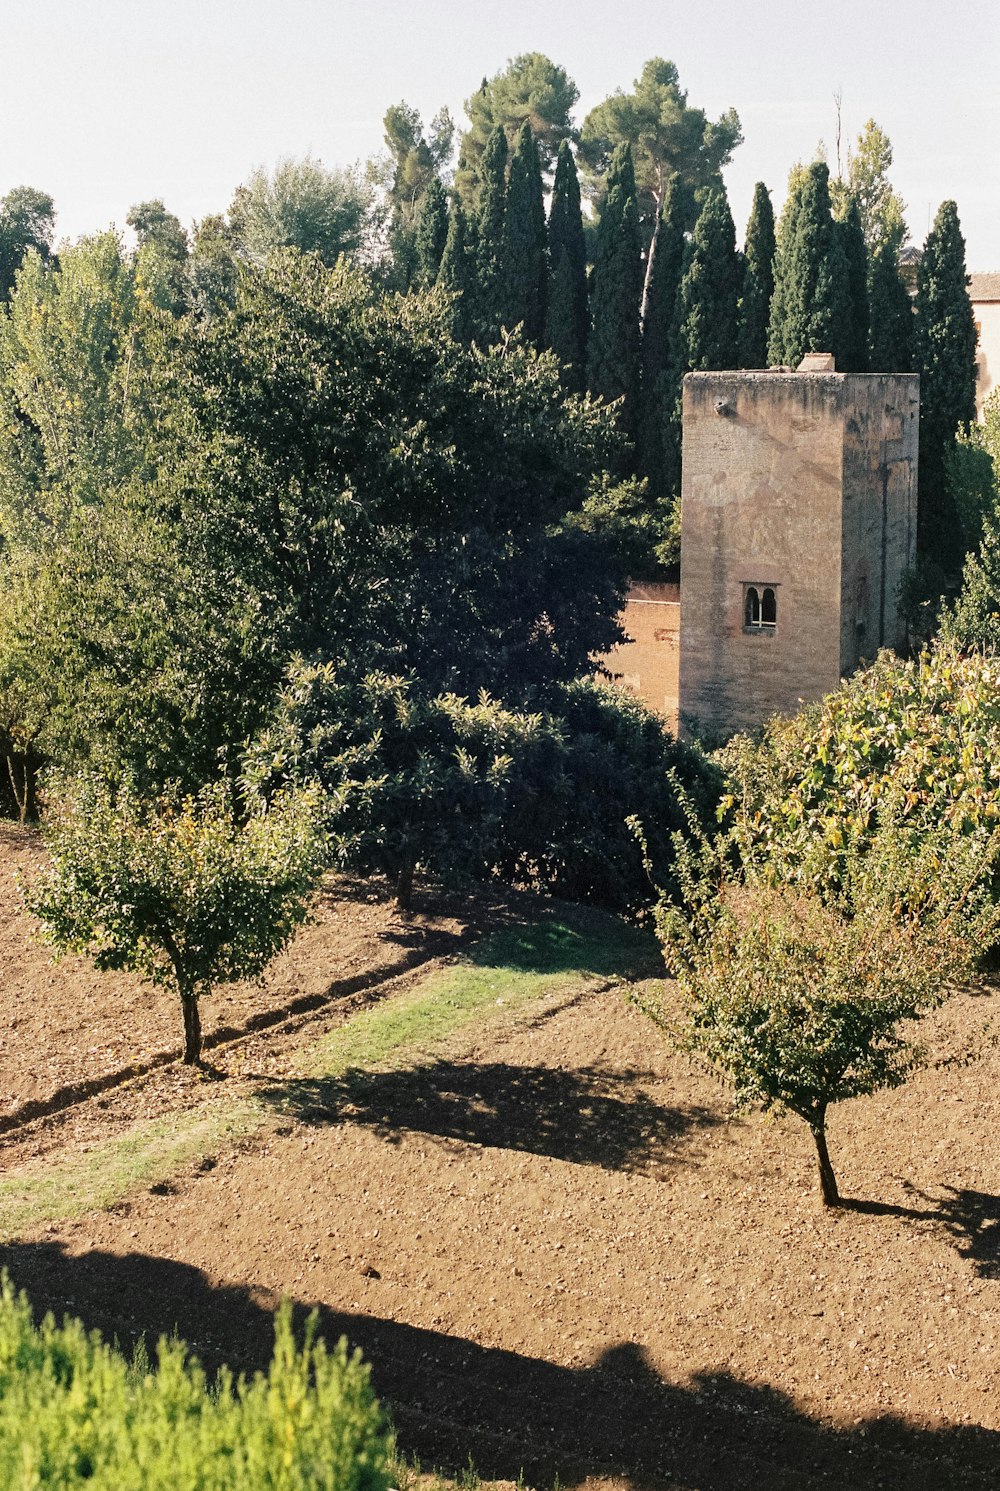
{"x":186,"y":891}
{"x":800,"y":998}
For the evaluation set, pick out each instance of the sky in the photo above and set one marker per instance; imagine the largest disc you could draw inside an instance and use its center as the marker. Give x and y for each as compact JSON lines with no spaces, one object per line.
{"x":104,"y":103}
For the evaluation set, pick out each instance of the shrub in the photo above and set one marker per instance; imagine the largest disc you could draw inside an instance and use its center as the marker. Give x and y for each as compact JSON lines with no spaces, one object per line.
{"x":185,"y":890}
{"x":74,"y":1414}
{"x":926,"y":731}
{"x":467,"y":788}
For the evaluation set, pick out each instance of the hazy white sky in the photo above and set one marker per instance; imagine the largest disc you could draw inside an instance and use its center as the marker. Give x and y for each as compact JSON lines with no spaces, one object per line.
{"x":106,"y":102}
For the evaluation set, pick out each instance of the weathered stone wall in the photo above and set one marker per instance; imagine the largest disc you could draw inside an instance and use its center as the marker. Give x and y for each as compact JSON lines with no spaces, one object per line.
{"x":648,"y":662}
{"x":763,"y":478}
{"x":880,"y":510}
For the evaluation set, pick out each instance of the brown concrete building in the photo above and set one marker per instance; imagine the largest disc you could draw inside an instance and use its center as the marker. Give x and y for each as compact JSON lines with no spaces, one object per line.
{"x":798,"y":521}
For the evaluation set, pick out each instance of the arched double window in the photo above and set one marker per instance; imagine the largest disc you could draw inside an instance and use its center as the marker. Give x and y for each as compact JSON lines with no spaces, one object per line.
{"x":760,"y":608}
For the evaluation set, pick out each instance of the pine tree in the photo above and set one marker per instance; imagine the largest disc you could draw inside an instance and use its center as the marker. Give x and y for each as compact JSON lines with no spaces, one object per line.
{"x":456,"y":274}
{"x":567,"y":312}
{"x":851,"y":347}
{"x":945,"y":344}
{"x":809,"y":304}
{"x":890,"y":314}
{"x":659,"y":438}
{"x":758,"y":281}
{"x":526,"y":259}
{"x":708,"y":298}
{"x":491,"y":278}
{"x":614,"y":350}
{"x":432,"y":232}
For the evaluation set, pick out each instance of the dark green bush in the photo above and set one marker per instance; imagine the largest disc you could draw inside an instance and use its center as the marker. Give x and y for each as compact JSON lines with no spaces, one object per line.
{"x":73,"y":1414}
{"x":468,"y":789}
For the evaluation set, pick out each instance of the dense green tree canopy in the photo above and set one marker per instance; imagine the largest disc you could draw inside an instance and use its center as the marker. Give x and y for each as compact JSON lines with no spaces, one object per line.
{"x":529,"y":90}
{"x":27,"y":221}
{"x":667,"y":137}
{"x":613,"y":358}
{"x":758,"y":281}
{"x":526,"y":253}
{"x":945,"y":352}
{"x":809,"y":304}
{"x":567,"y":316}
{"x":305,"y":205}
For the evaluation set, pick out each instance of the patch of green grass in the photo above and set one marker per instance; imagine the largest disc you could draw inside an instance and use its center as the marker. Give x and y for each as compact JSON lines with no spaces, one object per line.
{"x":512,"y":973}
{"x":106,"y":1173}
{"x":506,"y":972}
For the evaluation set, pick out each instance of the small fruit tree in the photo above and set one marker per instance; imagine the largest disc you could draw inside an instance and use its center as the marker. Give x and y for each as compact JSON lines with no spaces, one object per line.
{"x":801,"y":1001}
{"x":190,"y":891}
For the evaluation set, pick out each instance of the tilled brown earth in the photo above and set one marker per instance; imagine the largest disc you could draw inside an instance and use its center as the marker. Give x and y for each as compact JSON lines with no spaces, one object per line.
{"x":69,"y":1032}
{"x":560,"y":1256}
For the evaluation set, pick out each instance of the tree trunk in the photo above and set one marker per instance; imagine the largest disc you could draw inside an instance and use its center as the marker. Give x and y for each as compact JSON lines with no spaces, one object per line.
{"x":192,"y":1026}
{"x":23,"y":773}
{"x":650,"y":259}
{"x":404,"y":884}
{"x":827,"y":1179}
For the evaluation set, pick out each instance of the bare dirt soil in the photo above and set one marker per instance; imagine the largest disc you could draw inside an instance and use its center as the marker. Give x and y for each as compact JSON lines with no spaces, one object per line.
{"x":562,"y":1256}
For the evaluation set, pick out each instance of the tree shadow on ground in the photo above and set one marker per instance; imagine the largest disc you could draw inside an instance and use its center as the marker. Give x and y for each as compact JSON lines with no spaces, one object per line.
{"x":971,"y":1218}
{"x":452,"y":1399}
{"x":587,"y":1116}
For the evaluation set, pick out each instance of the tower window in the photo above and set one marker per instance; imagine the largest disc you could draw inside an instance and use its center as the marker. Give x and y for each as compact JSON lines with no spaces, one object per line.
{"x":760,"y":608}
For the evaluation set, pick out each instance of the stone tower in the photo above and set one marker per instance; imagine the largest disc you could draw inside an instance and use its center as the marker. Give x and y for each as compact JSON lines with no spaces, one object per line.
{"x":799,"y":510}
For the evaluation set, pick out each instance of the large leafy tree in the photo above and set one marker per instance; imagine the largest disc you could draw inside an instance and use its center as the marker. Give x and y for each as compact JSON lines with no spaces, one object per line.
{"x":880,"y":207}
{"x":305,"y":205}
{"x":667,"y":137}
{"x":71,"y":363}
{"x":613,"y":358}
{"x":567,"y":316}
{"x":416,"y":159}
{"x":531,"y":90}
{"x":27,"y":221}
{"x":945,"y":340}
{"x":526,"y":257}
{"x":758,"y":281}
{"x":161,"y":255}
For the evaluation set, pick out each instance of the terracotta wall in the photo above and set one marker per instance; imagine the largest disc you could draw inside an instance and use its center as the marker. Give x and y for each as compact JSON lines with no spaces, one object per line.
{"x":648,"y":663}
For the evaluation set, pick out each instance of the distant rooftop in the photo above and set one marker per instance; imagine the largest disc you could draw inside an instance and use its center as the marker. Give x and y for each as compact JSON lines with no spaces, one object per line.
{"x":985,"y":286}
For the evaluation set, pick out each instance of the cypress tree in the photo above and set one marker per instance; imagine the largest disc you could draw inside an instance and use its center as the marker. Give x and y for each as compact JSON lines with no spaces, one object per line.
{"x":851,"y":345}
{"x":456,"y":272}
{"x":659,"y":439}
{"x":526,"y":260}
{"x":432,"y":232}
{"x":614,"y":350}
{"x":708,"y":298}
{"x":809,"y":304}
{"x":758,"y":281}
{"x":945,"y":345}
{"x":491,"y":278}
{"x":890,"y":314}
{"x":567,"y":312}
